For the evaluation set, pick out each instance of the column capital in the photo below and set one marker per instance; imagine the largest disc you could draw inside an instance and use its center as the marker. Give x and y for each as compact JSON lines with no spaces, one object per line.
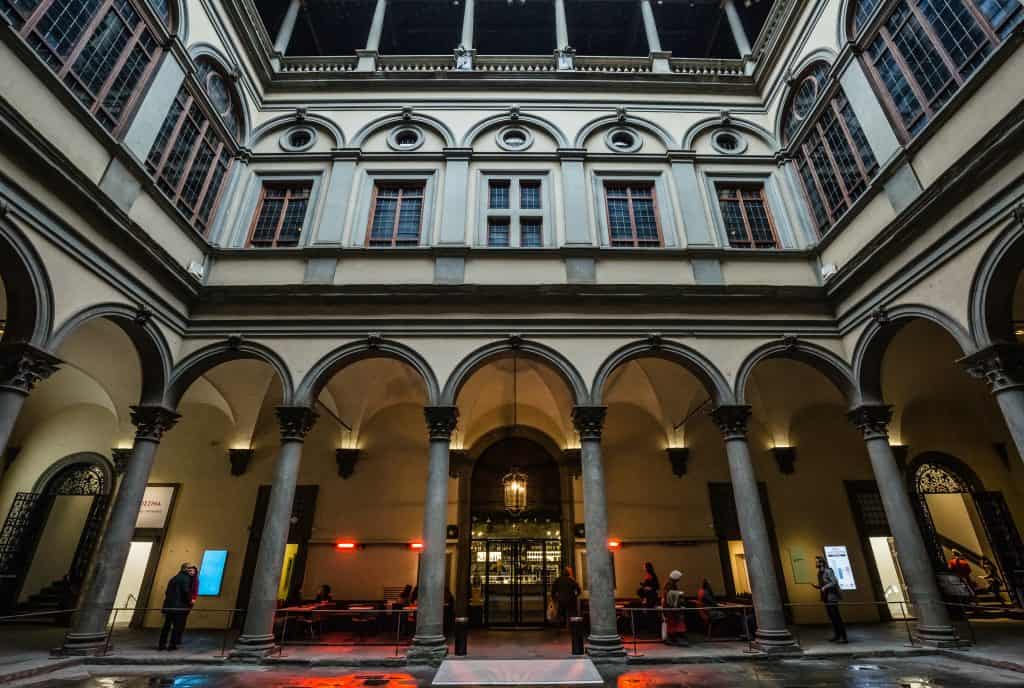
{"x":121,"y":458}
{"x":295,"y":422}
{"x":1001,"y":365}
{"x":23,"y":366}
{"x":151,"y":422}
{"x":872,"y":420}
{"x":441,"y":421}
{"x":589,"y":420}
{"x":732,"y":420}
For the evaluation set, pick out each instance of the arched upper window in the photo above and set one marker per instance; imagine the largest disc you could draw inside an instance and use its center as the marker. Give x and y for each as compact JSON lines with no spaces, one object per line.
{"x":191,"y":156}
{"x":103,"y":50}
{"x":920,"y":52}
{"x":832,"y":153}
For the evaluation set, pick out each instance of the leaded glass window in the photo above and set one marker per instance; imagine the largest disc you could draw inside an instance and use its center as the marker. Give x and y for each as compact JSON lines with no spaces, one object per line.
{"x":397,"y":215}
{"x":514,"y":214}
{"x":748,"y":222}
{"x":280,"y":214}
{"x":632,"y":215}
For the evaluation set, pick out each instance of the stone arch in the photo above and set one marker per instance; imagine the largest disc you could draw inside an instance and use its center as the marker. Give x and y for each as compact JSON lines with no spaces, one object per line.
{"x":818,"y":357}
{"x":136,"y":322}
{"x":875,"y":340}
{"x":958,"y":468}
{"x":991,"y":295}
{"x":480,"y":357}
{"x":529,"y":432}
{"x":27,"y":286}
{"x":696,"y":363}
{"x":231,"y":71}
{"x":704,"y":125}
{"x":521,"y":118}
{"x":371,"y":347}
{"x":101,"y":462}
{"x":283,"y":121}
{"x":177,"y":23}
{"x":626,"y":120}
{"x":807,"y":65}
{"x":208,"y":357}
{"x":436,"y":125}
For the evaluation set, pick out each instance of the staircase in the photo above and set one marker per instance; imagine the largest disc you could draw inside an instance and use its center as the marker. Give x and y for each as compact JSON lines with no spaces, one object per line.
{"x":52,"y":598}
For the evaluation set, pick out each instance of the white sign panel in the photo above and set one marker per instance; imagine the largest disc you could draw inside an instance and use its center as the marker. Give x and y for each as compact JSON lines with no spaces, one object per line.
{"x":839,"y":561}
{"x":156,"y":504}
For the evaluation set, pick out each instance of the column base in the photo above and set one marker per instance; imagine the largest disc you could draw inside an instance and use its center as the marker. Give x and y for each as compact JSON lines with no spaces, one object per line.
{"x":429,"y":649}
{"x":776,"y":642}
{"x":606,"y":649}
{"x":937,"y":636}
{"x":82,"y":644}
{"x":253,"y":647}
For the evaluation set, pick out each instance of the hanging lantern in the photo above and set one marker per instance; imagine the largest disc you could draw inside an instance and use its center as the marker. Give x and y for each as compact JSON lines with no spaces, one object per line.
{"x":514,"y":484}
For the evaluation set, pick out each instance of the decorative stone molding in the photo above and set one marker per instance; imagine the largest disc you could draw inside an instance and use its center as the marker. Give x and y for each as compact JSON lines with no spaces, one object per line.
{"x":572,"y":460}
{"x":151,"y":422}
{"x":240,"y":460}
{"x":732,"y":421}
{"x":460,"y":464}
{"x":121,"y":458}
{"x":346,"y":460}
{"x":1000,"y":365}
{"x":900,"y":452}
{"x":589,"y":420}
{"x":142,"y":314}
{"x":872,"y":420}
{"x":441,"y":421}
{"x":786,"y":458}
{"x":678,"y":457}
{"x":295,"y":422}
{"x":23,"y":366}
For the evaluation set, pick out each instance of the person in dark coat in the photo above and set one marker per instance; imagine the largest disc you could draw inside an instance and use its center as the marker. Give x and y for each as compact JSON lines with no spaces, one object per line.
{"x":177,"y":605}
{"x":828,"y":584}
{"x":565,"y":592}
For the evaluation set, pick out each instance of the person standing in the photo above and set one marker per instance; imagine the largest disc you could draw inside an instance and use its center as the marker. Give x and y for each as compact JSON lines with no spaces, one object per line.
{"x":672,"y":599}
{"x":177,"y":605}
{"x":649,"y":593}
{"x":828,"y":585}
{"x":565,"y":593}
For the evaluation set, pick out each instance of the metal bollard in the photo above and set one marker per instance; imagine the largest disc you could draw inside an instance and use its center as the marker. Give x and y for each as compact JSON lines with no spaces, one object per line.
{"x":576,"y":629}
{"x":461,"y":635}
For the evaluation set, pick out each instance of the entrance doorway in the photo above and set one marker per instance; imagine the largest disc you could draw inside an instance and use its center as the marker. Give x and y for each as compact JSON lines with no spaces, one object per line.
{"x":513,"y":579}
{"x":890,"y":575}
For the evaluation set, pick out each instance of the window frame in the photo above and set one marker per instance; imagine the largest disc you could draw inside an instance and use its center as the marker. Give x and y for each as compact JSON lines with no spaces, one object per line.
{"x":400,"y":184}
{"x":288,"y":186}
{"x":741,"y":186}
{"x":627,"y":184}
{"x":148,"y":20}
{"x":515,"y":213}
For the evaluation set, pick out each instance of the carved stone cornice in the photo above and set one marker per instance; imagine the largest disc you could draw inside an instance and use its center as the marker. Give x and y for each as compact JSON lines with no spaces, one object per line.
{"x":23,"y":366}
{"x":1001,"y":365}
{"x":121,"y":458}
{"x":872,"y":420}
{"x":441,"y":421}
{"x":589,"y":420}
{"x":460,"y":464}
{"x":151,"y":422}
{"x":295,"y":422}
{"x":346,"y":459}
{"x":678,"y":458}
{"x":240,"y":460}
{"x":732,"y":421}
{"x":572,"y":461}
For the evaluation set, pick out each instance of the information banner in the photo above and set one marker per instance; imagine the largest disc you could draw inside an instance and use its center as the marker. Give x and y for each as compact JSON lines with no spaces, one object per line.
{"x":839,"y":561}
{"x":156,"y":505}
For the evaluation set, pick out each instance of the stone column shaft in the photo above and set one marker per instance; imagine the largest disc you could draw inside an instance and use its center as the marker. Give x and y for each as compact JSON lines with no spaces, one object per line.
{"x":461,"y":467}
{"x":604,"y":641}
{"x":650,"y":27}
{"x":468,"y":19}
{"x":258,"y":630}
{"x":429,"y":644}
{"x":1002,"y":367}
{"x":90,"y":625}
{"x":772,"y":634}
{"x":22,"y":367}
{"x":376,"y":25}
{"x":284,"y":33}
{"x":933,"y":619}
{"x":561,"y":26}
{"x":568,"y":468}
{"x":739,"y":34}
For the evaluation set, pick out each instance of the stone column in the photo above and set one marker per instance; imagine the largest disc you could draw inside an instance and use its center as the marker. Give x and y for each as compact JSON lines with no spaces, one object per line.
{"x":257,"y":637}
{"x":650,"y":27}
{"x":376,"y":25}
{"x":461,"y":467}
{"x":739,"y":34}
{"x":468,"y":19}
{"x":88,"y":633}
{"x":429,"y":645}
{"x":561,"y":26}
{"x":22,"y":367}
{"x":772,"y":634}
{"x":284,"y":33}
{"x":604,"y":642}
{"x":568,"y":469}
{"x":933,"y":625}
{"x":1002,"y":367}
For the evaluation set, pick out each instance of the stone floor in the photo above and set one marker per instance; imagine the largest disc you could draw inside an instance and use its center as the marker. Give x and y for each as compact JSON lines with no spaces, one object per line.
{"x":25,"y":649}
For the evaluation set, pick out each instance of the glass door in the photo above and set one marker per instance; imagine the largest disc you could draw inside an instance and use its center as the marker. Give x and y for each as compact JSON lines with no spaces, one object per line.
{"x":515,"y":577}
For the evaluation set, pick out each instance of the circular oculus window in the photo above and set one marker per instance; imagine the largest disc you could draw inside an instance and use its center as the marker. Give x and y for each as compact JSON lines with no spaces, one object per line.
{"x":514,"y":138}
{"x":728,"y":142}
{"x":623,"y":140}
{"x":298,"y":139}
{"x":405,"y":138}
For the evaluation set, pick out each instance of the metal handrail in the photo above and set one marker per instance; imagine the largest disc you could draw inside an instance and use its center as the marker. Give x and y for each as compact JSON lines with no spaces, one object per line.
{"x":327,"y":611}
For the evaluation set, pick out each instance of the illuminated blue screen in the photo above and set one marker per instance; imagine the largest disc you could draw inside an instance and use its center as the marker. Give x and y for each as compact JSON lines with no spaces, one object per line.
{"x":211,"y":571}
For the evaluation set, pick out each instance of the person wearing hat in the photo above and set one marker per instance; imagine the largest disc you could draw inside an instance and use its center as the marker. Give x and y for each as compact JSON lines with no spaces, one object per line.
{"x":674,"y":629}
{"x":828,"y":585}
